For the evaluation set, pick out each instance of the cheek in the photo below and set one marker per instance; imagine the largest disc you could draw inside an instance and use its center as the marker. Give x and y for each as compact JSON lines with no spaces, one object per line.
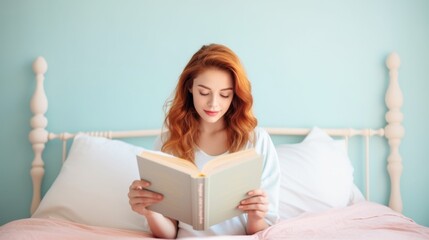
{"x":227,"y":103}
{"x":198,"y":100}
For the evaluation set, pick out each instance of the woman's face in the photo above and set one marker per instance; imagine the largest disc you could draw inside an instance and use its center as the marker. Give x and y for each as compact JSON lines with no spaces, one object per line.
{"x":212,"y":92}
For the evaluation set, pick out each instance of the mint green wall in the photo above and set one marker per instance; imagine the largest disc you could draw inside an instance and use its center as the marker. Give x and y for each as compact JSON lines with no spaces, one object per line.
{"x":113,"y":63}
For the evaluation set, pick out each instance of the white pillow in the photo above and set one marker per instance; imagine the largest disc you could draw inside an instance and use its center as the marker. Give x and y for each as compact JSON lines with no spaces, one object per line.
{"x":93,"y":183}
{"x":316,"y":175}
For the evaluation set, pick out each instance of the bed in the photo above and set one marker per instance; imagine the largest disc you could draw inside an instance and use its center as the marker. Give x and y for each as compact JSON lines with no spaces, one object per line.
{"x":318,"y":196}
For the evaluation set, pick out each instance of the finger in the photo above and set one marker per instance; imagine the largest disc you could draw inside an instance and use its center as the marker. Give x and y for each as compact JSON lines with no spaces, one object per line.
{"x":255,"y":200}
{"x":254,"y":207}
{"x":143,"y":201}
{"x":257,"y":192}
{"x":149,"y":194}
{"x":139,"y":184}
{"x":144,"y":194}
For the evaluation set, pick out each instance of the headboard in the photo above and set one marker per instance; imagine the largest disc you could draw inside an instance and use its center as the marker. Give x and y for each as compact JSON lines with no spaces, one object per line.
{"x":393,"y":132}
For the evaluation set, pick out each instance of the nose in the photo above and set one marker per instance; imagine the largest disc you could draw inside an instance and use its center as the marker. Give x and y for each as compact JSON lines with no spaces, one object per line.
{"x":213,"y":101}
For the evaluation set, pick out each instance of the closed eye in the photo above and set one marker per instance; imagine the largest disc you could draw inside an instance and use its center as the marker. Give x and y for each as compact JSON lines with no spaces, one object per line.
{"x":226,"y":93}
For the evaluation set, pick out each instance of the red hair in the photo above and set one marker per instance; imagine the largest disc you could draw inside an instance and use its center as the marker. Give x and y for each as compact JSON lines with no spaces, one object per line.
{"x":182,"y":120}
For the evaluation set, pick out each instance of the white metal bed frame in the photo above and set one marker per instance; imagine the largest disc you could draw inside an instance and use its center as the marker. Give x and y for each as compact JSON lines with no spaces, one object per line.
{"x":393,"y":131}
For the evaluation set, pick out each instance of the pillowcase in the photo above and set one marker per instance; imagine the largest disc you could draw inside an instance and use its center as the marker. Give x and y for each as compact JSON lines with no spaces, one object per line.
{"x":92,"y":186}
{"x":316,"y":175}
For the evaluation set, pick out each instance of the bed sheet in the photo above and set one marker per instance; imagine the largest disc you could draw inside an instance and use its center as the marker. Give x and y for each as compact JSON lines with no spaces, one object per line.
{"x":364,"y":220}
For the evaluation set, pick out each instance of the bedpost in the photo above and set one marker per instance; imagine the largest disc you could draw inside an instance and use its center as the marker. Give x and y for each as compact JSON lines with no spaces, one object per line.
{"x":394,"y":131}
{"x":38,"y":135}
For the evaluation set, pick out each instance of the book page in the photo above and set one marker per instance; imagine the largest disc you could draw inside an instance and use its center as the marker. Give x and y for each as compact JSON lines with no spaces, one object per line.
{"x":171,"y":161}
{"x":228,"y":160}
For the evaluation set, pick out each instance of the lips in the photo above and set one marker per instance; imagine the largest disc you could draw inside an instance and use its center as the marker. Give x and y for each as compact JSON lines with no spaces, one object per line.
{"x":211,"y":113}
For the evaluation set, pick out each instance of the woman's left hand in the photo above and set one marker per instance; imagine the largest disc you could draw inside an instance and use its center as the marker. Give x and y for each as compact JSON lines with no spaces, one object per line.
{"x":256,"y":205}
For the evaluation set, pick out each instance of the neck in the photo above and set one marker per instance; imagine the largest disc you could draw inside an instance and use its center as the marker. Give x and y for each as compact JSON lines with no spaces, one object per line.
{"x":211,"y":128}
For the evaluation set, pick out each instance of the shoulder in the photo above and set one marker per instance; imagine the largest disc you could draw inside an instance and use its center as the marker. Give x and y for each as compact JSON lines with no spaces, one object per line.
{"x":261,"y":132}
{"x":260,"y":135}
{"x":260,"y":140}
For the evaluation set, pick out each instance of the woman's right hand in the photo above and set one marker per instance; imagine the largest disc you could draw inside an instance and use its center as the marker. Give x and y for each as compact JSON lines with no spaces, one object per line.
{"x":140,"y":197}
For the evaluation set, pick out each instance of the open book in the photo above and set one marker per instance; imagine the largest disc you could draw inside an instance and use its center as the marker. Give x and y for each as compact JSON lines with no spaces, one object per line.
{"x":201,"y":198}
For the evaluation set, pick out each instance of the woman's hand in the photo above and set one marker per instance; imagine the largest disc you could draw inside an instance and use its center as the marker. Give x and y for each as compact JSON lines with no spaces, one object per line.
{"x":140,"y":198}
{"x":256,"y":207}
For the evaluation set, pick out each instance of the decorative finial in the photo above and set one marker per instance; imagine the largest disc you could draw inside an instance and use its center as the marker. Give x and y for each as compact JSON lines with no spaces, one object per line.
{"x":393,"y":61}
{"x":40,"y":66}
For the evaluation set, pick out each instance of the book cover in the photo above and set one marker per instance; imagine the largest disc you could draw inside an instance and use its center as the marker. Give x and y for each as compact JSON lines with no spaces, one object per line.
{"x":201,"y":198}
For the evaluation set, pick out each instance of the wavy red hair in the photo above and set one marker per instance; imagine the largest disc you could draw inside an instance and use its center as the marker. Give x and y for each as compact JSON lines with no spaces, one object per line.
{"x":182,"y":120}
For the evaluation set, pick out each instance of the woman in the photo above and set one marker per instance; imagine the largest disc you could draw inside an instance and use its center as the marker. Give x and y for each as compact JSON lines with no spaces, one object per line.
{"x":210,"y":115}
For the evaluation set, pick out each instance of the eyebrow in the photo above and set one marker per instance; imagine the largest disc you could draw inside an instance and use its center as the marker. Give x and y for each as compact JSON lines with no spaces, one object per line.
{"x":225,"y":89}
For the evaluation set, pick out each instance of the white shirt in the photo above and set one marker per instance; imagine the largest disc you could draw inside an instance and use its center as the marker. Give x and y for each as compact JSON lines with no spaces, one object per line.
{"x":270,"y":183}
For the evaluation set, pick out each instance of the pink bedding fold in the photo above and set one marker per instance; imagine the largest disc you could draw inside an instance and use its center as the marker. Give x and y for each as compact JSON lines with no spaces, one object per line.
{"x":47,"y":229}
{"x":56,"y":229}
{"x":364,"y":220}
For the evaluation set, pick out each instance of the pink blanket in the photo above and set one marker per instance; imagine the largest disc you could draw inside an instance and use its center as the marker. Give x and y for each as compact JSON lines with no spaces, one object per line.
{"x":361,"y":221}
